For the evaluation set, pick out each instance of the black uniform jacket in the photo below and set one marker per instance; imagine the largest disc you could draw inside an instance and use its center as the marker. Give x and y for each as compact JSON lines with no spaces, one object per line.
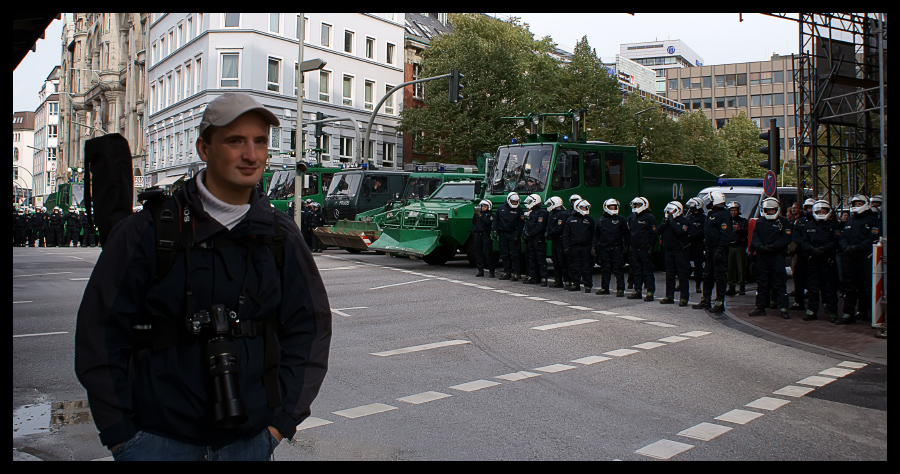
{"x":717,"y":229}
{"x":773,"y":234}
{"x":508,"y":220}
{"x":643,"y":229}
{"x":859,"y":233}
{"x":536,"y":224}
{"x":483,"y":223}
{"x":578,"y":231}
{"x":821,"y":236}
{"x":611,"y":231}
{"x":674,"y":233}
{"x":555,"y":226}
{"x":167,"y":392}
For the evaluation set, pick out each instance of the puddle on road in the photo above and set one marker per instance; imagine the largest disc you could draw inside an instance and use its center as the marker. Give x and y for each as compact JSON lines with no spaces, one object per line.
{"x":47,"y":417}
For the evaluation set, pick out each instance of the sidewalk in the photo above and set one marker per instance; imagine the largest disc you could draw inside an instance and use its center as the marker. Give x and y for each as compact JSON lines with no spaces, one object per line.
{"x":856,"y":340}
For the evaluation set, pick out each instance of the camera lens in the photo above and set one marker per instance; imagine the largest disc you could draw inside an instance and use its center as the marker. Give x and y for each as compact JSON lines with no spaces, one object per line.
{"x":228,"y":407}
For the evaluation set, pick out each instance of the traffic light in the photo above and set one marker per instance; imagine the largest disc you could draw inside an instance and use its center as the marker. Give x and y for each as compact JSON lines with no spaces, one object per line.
{"x":318,"y":129}
{"x":293,"y":143}
{"x":772,"y":150}
{"x":455,"y":86}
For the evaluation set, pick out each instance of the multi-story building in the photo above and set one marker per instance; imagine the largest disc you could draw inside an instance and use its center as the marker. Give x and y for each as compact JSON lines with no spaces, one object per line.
{"x":46,"y":137}
{"x":762,"y":90}
{"x":637,"y":79}
{"x":23,"y":156}
{"x":102,"y":85}
{"x":661,"y":56}
{"x":195,"y":57}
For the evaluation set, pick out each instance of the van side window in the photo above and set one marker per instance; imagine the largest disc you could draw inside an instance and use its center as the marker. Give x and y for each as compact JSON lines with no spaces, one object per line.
{"x":592,"y":174}
{"x":566,"y":174}
{"x":615,"y":174}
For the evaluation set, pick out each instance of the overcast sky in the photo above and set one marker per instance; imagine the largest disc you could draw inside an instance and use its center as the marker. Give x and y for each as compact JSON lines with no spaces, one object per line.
{"x":718,"y":38}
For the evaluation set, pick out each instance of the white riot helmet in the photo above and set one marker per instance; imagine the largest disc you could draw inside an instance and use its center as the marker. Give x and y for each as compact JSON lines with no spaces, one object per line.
{"x":611,"y":202}
{"x":715,"y":198}
{"x":821,"y":210}
{"x":531,"y":201}
{"x":71,"y":208}
{"x":859,"y":208}
{"x":809,"y":202}
{"x":513,"y":199}
{"x":574,"y":199}
{"x":554,"y":203}
{"x":485,"y":202}
{"x":583,"y":207}
{"x":768,"y":204}
{"x":695,"y":203}
{"x":675,"y":208}
{"x":639,"y":205}
{"x":735,"y":205}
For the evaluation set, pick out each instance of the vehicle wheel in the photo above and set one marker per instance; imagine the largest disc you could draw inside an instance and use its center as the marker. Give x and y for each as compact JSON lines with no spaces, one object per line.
{"x":353,"y":250}
{"x":440,"y":255}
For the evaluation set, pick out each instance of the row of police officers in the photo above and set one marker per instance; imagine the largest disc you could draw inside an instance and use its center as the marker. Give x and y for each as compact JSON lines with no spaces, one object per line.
{"x":711,"y":245}
{"x":54,"y":229}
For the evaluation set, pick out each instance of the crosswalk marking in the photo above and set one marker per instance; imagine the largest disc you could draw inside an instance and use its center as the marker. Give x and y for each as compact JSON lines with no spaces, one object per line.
{"x":564,"y":324}
{"x":474,"y":385}
{"x":365,"y":410}
{"x":423,"y":397}
{"x":422,"y":347}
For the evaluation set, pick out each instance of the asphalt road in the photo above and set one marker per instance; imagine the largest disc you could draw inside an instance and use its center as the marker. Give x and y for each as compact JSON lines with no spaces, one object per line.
{"x":431,"y":363}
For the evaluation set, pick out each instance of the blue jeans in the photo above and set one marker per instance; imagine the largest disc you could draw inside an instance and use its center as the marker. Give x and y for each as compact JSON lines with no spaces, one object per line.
{"x":150,"y":447}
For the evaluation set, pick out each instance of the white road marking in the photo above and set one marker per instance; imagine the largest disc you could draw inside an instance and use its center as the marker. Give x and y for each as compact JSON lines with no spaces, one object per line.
{"x":564,"y":324}
{"x":591,"y":360}
{"x":621,"y":352}
{"x":836,"y":372}
{"x":558,"y":303}
{"x":365,"y":410}
{"x":740,"y":417}
{"x":423,"y":397}
{"x":631,"y":318}
{"x":41,"y":334}
{"x":20,"y":302}
{"x":41,"y":274}
{"x":474,"y":385}
{"x":608,"y":313}
{"x":422,"y":347}
{"x":342,"y":313}
{"x":79,"y":279}
{"x":520,"y":375}
{"x":705,"y":431}
{"x":852,"y":365}
{"x":695,"y":333}
{"x":312,"y":422}
{"x":662,"y":325}
{"x":816,"y":381}
{"x":793,"y":391}
{"x":767,"y":403}
{"x":398,"y":284}
{"x":648,"y":345}
{"x":671,"y":339}
{"x":664,"y":449}
{"x":552,"y":369}
{"x":581,"y":308}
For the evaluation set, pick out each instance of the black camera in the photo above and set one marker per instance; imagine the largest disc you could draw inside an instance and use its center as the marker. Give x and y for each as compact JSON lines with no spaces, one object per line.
{"x":220,"y":353}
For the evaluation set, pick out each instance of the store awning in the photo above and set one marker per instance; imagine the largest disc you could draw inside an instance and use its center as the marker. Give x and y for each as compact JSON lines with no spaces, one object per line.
{"x":169,"y":180}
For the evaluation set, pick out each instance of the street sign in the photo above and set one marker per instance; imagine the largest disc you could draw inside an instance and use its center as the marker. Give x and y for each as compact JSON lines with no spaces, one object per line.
{"x":769,"y":183}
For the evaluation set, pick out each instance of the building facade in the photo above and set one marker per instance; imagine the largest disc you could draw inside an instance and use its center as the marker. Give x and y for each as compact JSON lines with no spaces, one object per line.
{"x":102,"y":85}
{"x":661,"y":56}
{"x":46,"y":137}
{"x":763,"y":90}
{"x":195,"y":57}
{"x":23,"y":157}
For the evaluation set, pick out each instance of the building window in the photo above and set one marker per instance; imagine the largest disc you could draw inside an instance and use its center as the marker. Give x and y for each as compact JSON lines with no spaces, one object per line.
{"x":348,"y":41}
{"x":232,"y":20}
{"x":707,"y":81}
{"x":389,"y":55}
{"x":418,"y":89}
{"x":370,"y":48}
{"x":53,"y":108}
{"x":389,"y":102}
{"x":197,"y":75}
{"x":326,"y":35}
{"x":179,"y":84}
{"x":778,"y":76}
{"x":188,"y":80}
{"x":387,"y":158}
{"x":685,"y":82}
{"x":326,"y":147}
{"x":324,"y":86}
{"x":673,"y":84}
{"x":275,"y":22}
{"x":229,"y":70}
{"x":348,"y":91}
{"x":369,"y":92}
{"x":273,"y":82}
{"x":275,"y":138}
{"x":346,"y":148}
{"x":52,"y":131}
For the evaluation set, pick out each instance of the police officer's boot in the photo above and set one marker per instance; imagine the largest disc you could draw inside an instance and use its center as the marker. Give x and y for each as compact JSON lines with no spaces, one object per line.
{"x":544,"y":282}
{"x":635,"y":295}
{"x":810,"y":315}
{"x":833,"y":317}
{"x":730,"y":291}
{"x":742,"y":291}
{"x":784,"y":314}
{"x":491,"y":274}
{"x":602,"y":291}
{"x":480,"y":273}
{"x":515,"y":277}
{"x":649,"y":296}
{"x":847,"y":318}
{"x":587,"y":289}
{"x":797,"y":306}
{"x":719,"y":307}
{"x":574,"y":287}
{"x":557,"y":283}
{"x":683,"y":302}
{"x":620,"y":293}
{"x":505,"y":276}
{"x":703,"y":304}
{"x":757,"y":312}
{"x":667,"y":300}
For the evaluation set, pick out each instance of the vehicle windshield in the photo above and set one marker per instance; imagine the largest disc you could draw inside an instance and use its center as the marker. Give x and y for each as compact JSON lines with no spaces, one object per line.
{"x":521,"y":169}
{"x":748,"y":201}
{"x":344,"y":185}
{"x":78,"y":195}
{"x":454,"y":191}
{"x":281,"y":185}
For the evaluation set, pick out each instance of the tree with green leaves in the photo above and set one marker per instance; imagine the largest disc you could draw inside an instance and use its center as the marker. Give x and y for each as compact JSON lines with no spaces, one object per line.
{"x":741,"y":137}
{"x":507,"y":72}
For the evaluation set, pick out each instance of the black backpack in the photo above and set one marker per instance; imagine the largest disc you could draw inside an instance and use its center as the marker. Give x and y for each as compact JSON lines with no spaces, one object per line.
{"x":108,"y":182}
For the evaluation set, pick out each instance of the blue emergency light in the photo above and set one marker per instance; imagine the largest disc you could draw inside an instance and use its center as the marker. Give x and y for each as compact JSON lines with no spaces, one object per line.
{"x":739,"y":182}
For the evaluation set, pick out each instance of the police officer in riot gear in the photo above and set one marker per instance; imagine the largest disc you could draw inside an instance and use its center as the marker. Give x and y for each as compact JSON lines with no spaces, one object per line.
{"x":820,"y":244}
{"x":696,"y":219}
{"x":642,"y":225}
{"x":800,"y":268}
{"x":73,"y":227}
{"x":674,"y":230}
{"x":611,"y":237}
{"x":507,"y":228}
{"x":577,"y":238}
{"x":554,"y":233}
{"x":771,"y":238}
{"x":57,"y":222}
{"x":737,"y":250}
{"x":535,"y":245}
{"x":482,"y":224}
{"x":716,"y":237}
{"x":859,"y":234}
